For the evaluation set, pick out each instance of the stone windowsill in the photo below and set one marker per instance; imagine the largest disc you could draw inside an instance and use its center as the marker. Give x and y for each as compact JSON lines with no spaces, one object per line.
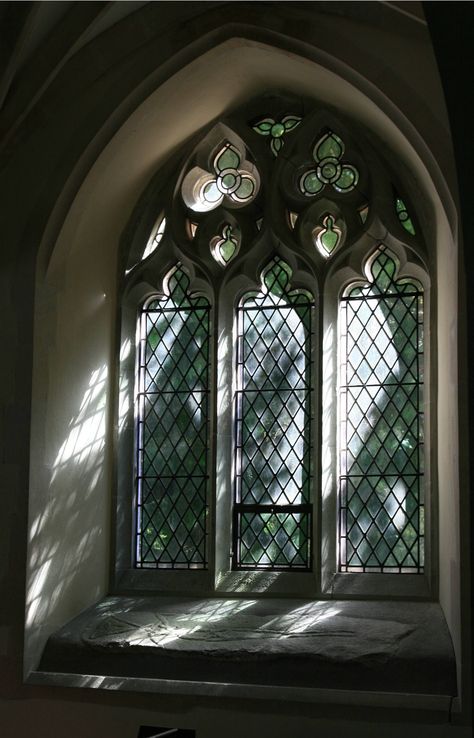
{"x":271,"y":645}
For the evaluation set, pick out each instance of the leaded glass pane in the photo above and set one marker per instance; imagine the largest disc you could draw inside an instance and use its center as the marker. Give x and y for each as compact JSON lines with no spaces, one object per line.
{"x":272,"y":512}
{"x":172,"y":403}
{"x":381,"y":493}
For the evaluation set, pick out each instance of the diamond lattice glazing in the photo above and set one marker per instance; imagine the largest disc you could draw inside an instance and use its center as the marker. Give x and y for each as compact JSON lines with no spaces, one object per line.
{"x":172,"y":429}
{"x":381,"y":494}
{"x":272,"y":506}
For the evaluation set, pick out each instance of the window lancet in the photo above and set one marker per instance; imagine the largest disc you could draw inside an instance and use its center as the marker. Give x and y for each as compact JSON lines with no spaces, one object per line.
{"x":172,"y":428}
{"x":273,"y":510}
{"x":381,"y":483}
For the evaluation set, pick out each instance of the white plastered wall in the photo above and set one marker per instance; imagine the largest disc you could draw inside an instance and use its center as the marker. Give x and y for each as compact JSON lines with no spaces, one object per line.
{"x":72,"y":415}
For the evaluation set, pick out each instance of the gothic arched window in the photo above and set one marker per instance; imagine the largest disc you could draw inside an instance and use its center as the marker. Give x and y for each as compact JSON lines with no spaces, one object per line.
{"x":274,"y":374}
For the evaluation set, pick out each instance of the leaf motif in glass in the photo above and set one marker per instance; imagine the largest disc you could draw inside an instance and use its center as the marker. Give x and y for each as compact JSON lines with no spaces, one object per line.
{"x":310,"y":183}
{"x":225,"y":247}
{"x":290,"y":122}
{"x":276,"y":145}
{"x":276,"y":130}
{"x":264,"y":126}
{"x":327,"y":237}
{"x":329,"y":146}
{"x":227,"y":158}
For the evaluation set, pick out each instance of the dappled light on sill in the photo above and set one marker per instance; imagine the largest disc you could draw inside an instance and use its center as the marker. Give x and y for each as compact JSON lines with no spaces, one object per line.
{"x":210,"y":621}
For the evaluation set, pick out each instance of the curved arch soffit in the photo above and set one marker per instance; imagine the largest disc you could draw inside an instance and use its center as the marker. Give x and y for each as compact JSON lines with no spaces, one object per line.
{"x":200,"y":92}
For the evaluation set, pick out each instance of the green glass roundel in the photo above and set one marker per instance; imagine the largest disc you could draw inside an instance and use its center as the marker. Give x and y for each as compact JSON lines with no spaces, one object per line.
{"x":328,"y":170}
{"x":229,"y":181}
{"x":278,"y":129}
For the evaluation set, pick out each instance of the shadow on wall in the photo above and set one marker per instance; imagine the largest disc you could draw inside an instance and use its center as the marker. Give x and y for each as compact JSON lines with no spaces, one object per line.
{"x":68,"y":544}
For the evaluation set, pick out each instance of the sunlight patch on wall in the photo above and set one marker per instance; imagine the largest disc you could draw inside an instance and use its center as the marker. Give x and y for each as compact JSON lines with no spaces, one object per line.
{"x":86,"y":436}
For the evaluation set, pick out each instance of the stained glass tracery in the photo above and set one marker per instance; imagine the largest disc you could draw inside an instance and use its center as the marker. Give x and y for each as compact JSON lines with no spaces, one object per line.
{"x":275,"y":130}
{"x":330,"y":168}
{"x":381,"y":493}
{"x":232,"y":177}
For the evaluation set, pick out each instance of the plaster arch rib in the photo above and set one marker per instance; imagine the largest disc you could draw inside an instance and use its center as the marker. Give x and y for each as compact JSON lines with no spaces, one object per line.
{"x":237,"y":62}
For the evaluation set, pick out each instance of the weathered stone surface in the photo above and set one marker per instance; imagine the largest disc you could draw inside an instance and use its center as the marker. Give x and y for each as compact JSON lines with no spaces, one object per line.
{"x":384,"y":646}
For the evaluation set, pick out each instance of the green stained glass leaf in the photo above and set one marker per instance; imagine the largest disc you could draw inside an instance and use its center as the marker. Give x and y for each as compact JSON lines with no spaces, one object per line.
{"x":290,"y":122}
{"x":310,"y":184}
{"x":348,"y":179}
{"x":403,"y":217}
{"x":276,"y":145}
{"x":264,"y":126}
{"x":330,"y":236}
{"x":329,"y":145}
{"x":228,"y":246}
{"x":228,"y":158}
{"x":245,"y":189}
{"x":227,"y":249}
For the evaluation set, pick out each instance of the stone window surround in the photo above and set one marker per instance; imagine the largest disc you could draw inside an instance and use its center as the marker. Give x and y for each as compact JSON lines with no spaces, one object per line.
{"x":442,"y":231}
